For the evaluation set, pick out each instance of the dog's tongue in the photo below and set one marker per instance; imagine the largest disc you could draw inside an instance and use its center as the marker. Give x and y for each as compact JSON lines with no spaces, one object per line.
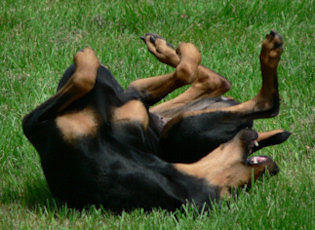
{"x":258,"y":159}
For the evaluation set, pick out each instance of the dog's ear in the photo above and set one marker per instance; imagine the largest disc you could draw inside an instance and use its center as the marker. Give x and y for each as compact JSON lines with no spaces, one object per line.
{"x":274,"y":137}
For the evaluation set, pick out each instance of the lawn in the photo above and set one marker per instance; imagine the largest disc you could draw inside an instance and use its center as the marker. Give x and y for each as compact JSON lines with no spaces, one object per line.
{"x":38,"y":39}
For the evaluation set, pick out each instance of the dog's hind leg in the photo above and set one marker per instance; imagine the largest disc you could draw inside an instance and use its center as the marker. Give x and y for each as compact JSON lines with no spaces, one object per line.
{"x":266,"y":103}
{"x":193,"y":134}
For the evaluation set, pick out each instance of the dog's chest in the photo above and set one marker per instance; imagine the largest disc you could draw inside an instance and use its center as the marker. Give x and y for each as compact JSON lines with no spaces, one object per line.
{"x":73,"y":125}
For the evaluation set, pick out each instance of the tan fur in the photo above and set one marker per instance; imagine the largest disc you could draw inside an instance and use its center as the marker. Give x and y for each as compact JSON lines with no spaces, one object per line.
{"x":265,"y":135}
{"x":83,"y":79}
{"x":205,"y":82}
{"x":210,"y":84}
{"x":133,"y":110}
{"x":77,"y":124}
{"x":80,"y":123}
{"x":163,"y":52}
{"x":156,"y":87}
{"x":223,"y":167}
{"x":159,"y":86}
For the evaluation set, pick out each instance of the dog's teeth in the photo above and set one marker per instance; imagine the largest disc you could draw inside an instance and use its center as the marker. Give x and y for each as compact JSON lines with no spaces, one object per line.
{"x":255,"y":160}
{"x":256,"y":143}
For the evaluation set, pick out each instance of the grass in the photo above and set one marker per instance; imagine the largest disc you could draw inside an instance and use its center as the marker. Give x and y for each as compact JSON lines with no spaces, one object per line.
{"x":39,"y":38}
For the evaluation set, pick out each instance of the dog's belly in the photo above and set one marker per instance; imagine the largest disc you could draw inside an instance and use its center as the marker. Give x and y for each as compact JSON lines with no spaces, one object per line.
{"x":197,"y":105}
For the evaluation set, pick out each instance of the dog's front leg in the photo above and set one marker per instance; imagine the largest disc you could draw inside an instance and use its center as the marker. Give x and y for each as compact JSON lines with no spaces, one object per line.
{"x":186,"y":61}
{"x":80,"y":83}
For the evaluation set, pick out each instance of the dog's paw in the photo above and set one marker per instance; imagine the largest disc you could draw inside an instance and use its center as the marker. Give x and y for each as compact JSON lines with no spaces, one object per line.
{"x":161,"y":49}
{"x":86,"y":59}
{"x":271,"y":49}
{"x":86,"y":64}
{"x":153,"y":38}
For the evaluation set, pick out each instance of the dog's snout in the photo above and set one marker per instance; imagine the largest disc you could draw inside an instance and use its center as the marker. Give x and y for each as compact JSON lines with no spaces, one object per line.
{"x":248,"y":135}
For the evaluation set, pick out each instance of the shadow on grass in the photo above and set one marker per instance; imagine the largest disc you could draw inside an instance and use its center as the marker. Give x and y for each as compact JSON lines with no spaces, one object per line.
{"x":33,"y":195}
{"x":36,"y":197}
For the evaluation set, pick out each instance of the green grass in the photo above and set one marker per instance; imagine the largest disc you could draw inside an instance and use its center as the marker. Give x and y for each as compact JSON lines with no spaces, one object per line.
{"x":39,"y":38}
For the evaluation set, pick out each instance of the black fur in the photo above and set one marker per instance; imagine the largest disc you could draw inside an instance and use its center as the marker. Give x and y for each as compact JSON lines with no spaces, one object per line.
{"x":193,"y":137}
{"x":124,"y":166}
{"x":117,"y":169}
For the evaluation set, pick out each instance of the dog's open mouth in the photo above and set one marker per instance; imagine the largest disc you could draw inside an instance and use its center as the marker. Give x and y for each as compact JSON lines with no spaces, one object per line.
{"x":255,"y":160}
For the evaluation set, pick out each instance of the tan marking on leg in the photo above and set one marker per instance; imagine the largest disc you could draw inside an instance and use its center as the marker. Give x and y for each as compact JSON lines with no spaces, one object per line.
{"x":162,"y":51}
{"x":133,"y":110}
{"x":188,"y":69}
{"x":77,"y":124}
{"x":266,"y":98}
{"x":83,"y":79}
{"x":155,"y":88}
{"x":190,"y":58}
{"x":257,"y":104}
{"x":208,"y":84}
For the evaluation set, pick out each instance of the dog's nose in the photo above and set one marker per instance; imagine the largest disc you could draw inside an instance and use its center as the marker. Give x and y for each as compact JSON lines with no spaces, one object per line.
{"x":247,"y":135}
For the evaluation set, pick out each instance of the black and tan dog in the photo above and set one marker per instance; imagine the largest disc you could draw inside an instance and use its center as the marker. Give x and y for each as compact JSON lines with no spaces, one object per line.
{"x":100,"y":144}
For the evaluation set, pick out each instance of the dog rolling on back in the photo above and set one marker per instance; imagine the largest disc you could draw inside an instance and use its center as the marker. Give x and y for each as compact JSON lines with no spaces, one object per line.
{"x":100,"y":144}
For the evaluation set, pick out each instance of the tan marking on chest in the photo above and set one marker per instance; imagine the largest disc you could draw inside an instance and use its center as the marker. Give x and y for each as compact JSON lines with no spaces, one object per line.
{"x":132,"y":111}
{"x":77,"y":124}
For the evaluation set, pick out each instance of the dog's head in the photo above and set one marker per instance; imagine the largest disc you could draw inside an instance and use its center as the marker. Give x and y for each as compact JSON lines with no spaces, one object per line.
{"x":231,"y":165}
{"x":237,"y":168}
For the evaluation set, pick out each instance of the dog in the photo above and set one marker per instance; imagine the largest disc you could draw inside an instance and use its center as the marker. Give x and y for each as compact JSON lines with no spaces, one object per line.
{"x":102,"y":145}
